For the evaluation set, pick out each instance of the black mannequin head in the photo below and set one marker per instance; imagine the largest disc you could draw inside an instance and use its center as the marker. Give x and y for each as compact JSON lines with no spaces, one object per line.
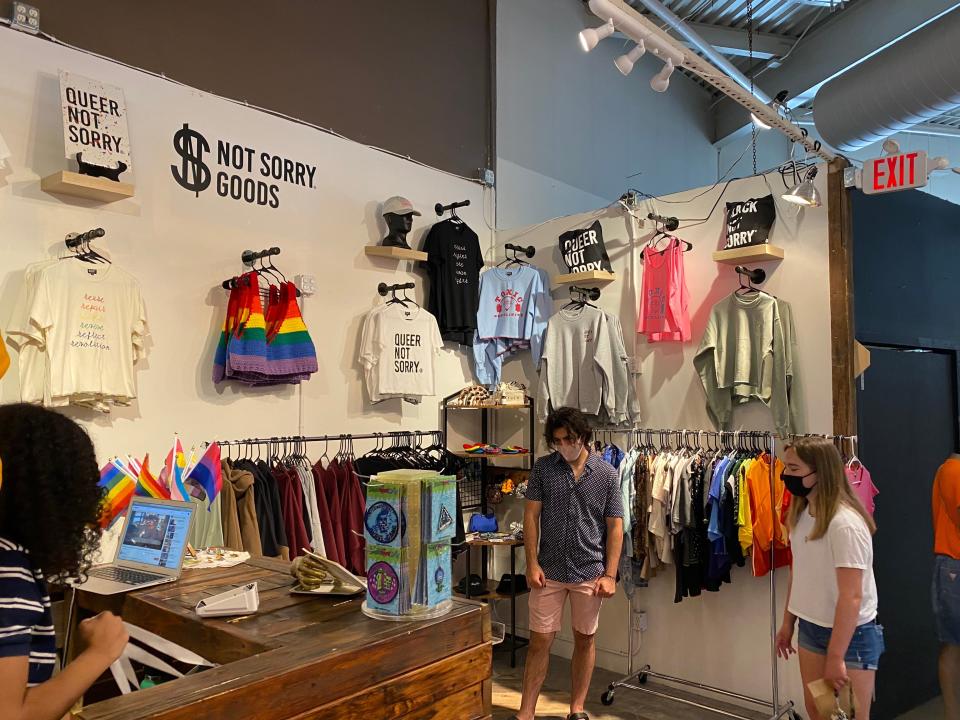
{"x":398,"y":213}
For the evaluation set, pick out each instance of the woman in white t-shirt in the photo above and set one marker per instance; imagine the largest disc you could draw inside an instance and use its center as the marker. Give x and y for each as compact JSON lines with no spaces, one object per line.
{"x":833,"y":593}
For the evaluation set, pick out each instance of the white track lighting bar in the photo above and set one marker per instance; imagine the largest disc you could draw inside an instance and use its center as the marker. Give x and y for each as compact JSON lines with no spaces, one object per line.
{"x":638,"y":28}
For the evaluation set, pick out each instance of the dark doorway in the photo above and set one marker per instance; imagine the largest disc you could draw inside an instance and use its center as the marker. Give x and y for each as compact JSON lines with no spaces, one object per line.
{"x":907,"y":424}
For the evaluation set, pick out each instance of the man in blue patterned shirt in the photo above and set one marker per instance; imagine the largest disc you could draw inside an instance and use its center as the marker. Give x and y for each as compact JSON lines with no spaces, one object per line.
{"x":573,"y":533}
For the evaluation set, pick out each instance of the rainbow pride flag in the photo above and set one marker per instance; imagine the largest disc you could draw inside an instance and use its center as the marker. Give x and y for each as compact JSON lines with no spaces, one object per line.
{"x":148,"y":485}
{"x":119,"y":488}
{"x":207,"y":473}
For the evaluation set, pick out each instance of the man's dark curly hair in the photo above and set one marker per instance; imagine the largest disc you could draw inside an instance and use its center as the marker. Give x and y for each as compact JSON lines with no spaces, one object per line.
{"x":571,"y":420}
{"x":49,"y":499}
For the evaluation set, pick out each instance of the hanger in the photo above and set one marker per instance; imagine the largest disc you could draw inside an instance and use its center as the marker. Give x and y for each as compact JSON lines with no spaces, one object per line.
{"x":757,"y":275}
{"x":584,"y":295}
{"x":663,"y":226}
{"x":440,"y":209}
{"x":79,"y":243}
{"x":529,"y":251}
{"x":853,"y":454}
{"x":383,"y":289}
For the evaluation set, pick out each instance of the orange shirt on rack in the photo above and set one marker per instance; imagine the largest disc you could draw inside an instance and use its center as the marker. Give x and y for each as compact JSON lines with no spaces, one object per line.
{"x":766,"y":529}
{"x":4,"y":357}
{"x":946,"y":509}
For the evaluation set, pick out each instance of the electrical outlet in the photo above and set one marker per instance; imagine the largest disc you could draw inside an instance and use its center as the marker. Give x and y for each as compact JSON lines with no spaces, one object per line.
{"x":307,"y":284}
{"x":640,"y":621}
{"x":25,"y":17}
{"x":487,"y":177}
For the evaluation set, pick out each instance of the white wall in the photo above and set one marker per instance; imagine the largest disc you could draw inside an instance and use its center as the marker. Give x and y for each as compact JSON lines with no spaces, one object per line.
{"x":571,"y":130}
{"x":721,"y":639}
{"x":181,"y":247}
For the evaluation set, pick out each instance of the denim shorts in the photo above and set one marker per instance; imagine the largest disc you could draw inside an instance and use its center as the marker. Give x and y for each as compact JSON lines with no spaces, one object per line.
{"x":946,"y":599}
{"x":866,"y":645}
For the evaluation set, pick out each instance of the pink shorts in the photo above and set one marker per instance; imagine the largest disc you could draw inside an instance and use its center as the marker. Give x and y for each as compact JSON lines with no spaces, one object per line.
{"x":546,"y":607}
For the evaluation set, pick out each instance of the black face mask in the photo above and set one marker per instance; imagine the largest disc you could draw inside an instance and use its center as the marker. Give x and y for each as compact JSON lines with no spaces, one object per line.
{"x":795,"y":484}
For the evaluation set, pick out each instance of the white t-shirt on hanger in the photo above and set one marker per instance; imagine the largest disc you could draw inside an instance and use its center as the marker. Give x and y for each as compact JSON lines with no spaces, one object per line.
{"x":401,"y":344}
{"x":92,"y":322}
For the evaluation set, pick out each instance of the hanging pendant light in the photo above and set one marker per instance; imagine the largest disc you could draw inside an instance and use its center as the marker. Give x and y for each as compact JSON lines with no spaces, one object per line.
{"x":805,"y":192}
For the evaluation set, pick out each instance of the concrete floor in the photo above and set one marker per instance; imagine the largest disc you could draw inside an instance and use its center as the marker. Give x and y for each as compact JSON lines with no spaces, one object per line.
{"x":628,"y":704}
{"x":555,"y":698}
{"x":933,"y":710}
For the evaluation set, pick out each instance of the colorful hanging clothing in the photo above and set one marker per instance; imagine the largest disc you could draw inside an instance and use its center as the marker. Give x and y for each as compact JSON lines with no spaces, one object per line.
{"x":664,"y":301}
{"x":258,"y":347}
{"x":862,"y":485}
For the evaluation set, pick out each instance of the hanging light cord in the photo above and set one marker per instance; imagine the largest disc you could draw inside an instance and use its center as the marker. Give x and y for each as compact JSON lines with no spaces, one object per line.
{"x":753,"y":126}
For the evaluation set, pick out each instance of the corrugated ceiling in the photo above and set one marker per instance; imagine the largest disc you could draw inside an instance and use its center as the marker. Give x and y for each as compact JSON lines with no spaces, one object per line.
{"x":780,"y":17}
{"x":790,"y":19}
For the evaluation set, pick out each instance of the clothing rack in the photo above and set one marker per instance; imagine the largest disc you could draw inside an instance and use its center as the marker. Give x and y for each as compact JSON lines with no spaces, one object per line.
{"x":395,"y":435}
{"x":587,"y":293}
{"x":669,"y":223}
{"x":440,"y":208}
{"x":529,"y":251}
{"x":383,"y":288}
{"x":635,"y":680}
{"x":754,"y":277}
{"x":73,"y":240}
{"x":250,"y":256}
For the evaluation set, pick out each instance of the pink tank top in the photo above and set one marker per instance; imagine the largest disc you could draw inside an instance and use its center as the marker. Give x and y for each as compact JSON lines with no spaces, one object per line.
{"x":664,"y":299}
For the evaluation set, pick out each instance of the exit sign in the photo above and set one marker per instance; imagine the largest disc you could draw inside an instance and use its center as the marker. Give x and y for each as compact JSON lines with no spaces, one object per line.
{"x":895,"y":172}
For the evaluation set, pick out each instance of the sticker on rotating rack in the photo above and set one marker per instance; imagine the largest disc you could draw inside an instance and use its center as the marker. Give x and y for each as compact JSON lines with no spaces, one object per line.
{"x":381,"y":522}
{"x":383,"y":584}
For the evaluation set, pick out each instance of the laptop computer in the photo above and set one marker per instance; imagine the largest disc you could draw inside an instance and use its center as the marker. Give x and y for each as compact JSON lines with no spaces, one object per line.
{"x":151,"y":550}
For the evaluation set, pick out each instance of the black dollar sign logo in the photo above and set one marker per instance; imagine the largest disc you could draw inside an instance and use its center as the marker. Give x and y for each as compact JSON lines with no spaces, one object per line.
{"x":193,"y":174}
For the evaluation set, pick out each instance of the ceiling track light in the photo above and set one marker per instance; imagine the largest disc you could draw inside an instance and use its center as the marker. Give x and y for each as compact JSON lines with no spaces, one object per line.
{"x":778,"y":105}
{"x":626,"y":62}
{"x":590,"y":37}
{"x":661,"y":81}
{"x":805,"y":192}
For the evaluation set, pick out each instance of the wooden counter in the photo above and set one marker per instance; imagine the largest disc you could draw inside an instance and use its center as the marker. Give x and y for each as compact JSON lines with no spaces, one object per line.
{"x":303,"y":657}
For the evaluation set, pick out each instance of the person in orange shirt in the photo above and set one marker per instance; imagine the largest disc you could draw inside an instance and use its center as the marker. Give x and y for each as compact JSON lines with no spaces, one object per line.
{"x":946,"y":580}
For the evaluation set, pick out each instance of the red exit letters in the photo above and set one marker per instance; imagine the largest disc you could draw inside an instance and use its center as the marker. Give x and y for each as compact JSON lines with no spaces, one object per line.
{"x":895,"y":172}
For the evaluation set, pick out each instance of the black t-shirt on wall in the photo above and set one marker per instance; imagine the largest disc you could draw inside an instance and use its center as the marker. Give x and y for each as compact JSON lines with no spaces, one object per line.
{"x":454,"y":261}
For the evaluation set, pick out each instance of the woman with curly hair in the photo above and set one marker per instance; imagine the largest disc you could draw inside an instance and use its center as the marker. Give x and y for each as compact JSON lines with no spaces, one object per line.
{"x":49,"y":506}
{"x":832,"y":590}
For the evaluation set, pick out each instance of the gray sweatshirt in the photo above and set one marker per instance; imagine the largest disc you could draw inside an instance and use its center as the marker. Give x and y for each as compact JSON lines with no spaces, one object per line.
{"x":577,"y":363}
{"x":749,"y":352}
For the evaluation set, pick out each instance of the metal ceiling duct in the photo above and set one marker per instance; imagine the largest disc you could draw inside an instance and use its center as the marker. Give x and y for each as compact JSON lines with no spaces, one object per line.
{"x":910,"y":82}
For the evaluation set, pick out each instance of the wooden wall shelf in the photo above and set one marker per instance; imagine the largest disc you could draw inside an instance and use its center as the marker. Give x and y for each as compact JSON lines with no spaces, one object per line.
{"x":103,"y":190}
{"x":396,"y":253}
{"x":749,"y":254}
{"x":585,"y":277}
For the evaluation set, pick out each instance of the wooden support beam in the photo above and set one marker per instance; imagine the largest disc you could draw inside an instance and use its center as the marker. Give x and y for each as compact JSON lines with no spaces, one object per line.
{"x":841,"y":300}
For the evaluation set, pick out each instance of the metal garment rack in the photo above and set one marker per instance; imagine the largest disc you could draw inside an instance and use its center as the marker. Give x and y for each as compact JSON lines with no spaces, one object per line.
{"x":640,"y":678}
{"x":395,"y":435}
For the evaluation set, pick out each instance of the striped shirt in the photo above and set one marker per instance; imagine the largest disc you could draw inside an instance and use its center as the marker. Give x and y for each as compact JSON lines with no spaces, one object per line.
{"x":26,"y":624}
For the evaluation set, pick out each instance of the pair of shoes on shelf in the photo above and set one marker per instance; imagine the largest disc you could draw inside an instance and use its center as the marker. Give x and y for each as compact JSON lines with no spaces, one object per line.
{"x":514,"y":450}
{"x":482,"y":449}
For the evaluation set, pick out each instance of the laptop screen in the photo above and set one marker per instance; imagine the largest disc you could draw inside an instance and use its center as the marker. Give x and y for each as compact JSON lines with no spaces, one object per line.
{"x":155,"y":535}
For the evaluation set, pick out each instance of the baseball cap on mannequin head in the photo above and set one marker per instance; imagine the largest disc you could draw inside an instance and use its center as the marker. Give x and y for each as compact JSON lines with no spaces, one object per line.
{"x":399,"y":206}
